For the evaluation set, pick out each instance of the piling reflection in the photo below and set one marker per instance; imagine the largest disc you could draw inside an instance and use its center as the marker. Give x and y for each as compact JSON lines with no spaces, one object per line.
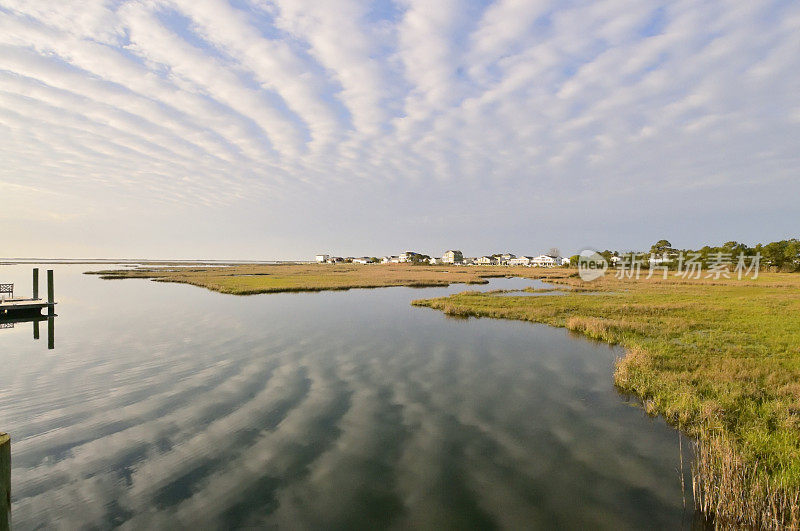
{"x":34,"y":319}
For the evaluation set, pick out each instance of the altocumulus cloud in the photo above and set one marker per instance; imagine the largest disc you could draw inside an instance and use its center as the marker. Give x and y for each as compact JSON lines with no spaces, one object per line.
{"x":464,"y":110}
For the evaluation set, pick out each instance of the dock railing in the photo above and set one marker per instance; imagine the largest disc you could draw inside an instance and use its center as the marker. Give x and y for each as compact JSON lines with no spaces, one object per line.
{"x":6,"y":289}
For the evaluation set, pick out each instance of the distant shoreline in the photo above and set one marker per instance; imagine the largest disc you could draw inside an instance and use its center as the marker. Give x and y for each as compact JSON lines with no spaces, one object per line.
{"x":133,"y":261}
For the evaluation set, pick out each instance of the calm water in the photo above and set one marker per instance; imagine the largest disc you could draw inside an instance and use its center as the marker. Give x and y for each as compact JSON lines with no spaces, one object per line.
{"x":165,"y":405}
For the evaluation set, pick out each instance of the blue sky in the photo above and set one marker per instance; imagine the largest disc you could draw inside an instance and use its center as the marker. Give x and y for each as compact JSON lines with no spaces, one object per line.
{"x":278,"y":129}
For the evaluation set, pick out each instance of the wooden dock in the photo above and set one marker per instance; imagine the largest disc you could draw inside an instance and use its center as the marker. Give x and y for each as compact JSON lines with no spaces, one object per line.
{"x":16,"y":306}
{"x":13,"y":306}
{"x":16,"y":310}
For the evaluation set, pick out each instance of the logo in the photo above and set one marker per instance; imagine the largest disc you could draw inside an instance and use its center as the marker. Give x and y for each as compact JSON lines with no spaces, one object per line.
{"x":591,"y":265}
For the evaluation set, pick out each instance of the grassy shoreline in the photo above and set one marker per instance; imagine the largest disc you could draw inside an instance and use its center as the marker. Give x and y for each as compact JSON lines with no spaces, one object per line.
{"x":718,"y":359}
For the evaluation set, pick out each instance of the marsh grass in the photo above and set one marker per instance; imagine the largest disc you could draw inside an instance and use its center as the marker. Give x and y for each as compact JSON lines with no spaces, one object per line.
{"x":720,"y":359}
{"x":736,"y":492}
{"x":254,"y":279}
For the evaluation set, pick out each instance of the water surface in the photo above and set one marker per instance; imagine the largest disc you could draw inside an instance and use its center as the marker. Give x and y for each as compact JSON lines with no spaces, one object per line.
{"x":166,"y":405}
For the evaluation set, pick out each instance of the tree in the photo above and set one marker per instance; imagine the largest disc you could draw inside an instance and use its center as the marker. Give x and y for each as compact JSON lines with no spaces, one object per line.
{"x":554,"y":251}
{"x":735,"y":248}
{"x":791,"y":253}
{"x":661,"y":247}
{"x":775,"y":253}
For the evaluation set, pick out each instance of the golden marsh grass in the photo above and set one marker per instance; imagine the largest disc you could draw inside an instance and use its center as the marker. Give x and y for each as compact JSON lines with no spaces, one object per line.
{"x":254,"y":279}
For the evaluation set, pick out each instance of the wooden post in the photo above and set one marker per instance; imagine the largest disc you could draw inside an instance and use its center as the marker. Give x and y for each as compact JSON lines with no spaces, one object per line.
{"x":35,"y":329}
{"x":35,"y":282}
{"x":50,"y":293}
{"x":5,"y":481}
{"x":51,"y":333}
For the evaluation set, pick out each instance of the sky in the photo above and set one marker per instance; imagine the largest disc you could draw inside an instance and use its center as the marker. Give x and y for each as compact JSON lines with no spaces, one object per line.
{"x":256,"y":129}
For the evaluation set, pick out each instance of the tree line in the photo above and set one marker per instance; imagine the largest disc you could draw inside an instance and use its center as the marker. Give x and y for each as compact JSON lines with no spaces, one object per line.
{"x":782,"y":255}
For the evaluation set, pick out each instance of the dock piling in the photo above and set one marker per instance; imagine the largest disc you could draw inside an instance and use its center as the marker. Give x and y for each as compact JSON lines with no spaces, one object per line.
{"x":35,"y":282}
{"x":5,"y":481}
{"x":50,"y":294}
{"x":35,"y":329}
{"x":51,"y":333}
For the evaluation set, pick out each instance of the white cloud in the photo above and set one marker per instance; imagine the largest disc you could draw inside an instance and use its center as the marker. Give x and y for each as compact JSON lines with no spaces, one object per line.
{"x":206,"y":103}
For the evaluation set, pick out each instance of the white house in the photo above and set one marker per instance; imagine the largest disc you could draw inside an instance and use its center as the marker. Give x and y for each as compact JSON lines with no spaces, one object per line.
{"x":628,"y":259}
{"x":486,"y":260}
{"x":322,"y":258}
{"x":452,"y":257}
{"x":361,"y":260}
{"x":434,"y":260}
{"x":565,"y":261}
{"x":521,"y":261}
{"x":504,"y":258}
{"x":662,"y":259}
{"x":408,"y":256}
{"x":546,"y":260}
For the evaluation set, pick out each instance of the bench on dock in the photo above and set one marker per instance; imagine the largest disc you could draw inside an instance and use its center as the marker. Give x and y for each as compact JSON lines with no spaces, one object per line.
{"x":6,"y":288}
